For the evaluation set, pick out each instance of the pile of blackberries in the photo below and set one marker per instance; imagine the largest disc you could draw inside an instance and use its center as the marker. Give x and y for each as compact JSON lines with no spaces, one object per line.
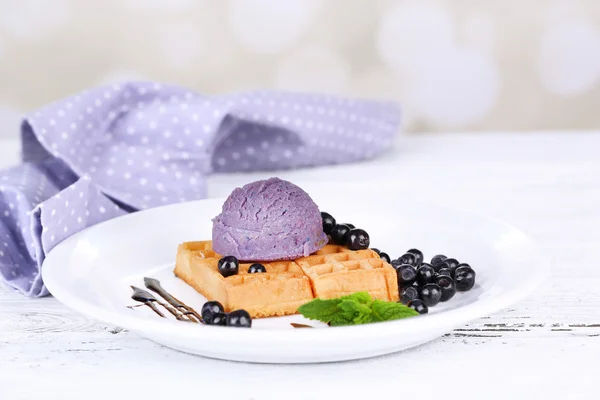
{"x":423,"y":285}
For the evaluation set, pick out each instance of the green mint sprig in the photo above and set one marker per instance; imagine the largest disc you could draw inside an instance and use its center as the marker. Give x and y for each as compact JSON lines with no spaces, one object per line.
{"x":355,"y":309}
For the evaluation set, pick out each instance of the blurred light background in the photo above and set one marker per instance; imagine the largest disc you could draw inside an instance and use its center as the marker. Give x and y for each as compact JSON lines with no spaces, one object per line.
{"x":466,"y":65}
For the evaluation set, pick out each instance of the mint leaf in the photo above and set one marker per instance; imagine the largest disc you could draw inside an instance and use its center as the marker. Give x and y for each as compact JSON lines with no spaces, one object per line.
{"x":355,"y":311}
{"x":340,"y":320}
{"x":388,"y":311}
{"x":320,"y":310}
{"x":361,"y":297}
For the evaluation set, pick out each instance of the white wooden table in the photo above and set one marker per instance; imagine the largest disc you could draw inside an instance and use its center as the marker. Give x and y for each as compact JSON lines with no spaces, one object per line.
{"x":547,"y":347}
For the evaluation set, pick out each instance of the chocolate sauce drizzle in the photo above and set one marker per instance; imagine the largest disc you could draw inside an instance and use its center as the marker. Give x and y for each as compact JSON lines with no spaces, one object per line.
{"x":177,"y":308}
{"x":146,"y":299}
{"x":295,"y":325}
{"x":155,"y":286}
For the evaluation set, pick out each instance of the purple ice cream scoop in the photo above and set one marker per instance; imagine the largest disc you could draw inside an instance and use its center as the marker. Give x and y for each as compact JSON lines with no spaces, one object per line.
{"x":268,"y":220}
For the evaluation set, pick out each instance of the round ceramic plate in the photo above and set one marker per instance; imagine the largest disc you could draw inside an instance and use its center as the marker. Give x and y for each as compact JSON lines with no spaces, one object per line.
{"x":92,"y":271}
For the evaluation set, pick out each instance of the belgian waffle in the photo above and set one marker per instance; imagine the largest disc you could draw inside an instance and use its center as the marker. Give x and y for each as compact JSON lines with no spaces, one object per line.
{"x":332,"y":271}
{"x":336,"y":271}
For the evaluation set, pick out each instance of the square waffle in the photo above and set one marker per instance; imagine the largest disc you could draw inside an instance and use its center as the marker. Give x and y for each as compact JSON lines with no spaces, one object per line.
{"x":336,"y":271}
{"x":331,"y":272}
{"x":279,"y":291}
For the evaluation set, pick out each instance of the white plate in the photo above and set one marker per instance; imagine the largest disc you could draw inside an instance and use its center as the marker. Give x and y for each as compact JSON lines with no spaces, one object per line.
{"x":91,"y":273}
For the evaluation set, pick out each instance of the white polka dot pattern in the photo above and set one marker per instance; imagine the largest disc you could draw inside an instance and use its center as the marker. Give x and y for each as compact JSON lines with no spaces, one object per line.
{"x":124,"y":147}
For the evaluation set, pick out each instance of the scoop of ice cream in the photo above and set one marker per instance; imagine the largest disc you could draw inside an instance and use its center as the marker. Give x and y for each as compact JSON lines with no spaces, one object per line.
{"x":268,"y":220}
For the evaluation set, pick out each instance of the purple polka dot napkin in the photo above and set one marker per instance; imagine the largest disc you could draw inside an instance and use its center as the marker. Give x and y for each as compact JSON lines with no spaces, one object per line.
{"x":120,"y":148}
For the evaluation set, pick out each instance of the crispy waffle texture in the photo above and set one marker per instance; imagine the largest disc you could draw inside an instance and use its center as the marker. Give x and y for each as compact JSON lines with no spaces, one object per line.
{"x":330,"y":272}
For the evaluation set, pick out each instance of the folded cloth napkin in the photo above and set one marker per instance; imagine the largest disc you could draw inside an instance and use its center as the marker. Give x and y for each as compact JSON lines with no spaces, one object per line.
{"x":120,"y":148}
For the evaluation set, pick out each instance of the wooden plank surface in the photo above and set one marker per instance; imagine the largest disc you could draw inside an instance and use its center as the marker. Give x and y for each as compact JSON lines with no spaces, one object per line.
{"x":547,"y":346}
